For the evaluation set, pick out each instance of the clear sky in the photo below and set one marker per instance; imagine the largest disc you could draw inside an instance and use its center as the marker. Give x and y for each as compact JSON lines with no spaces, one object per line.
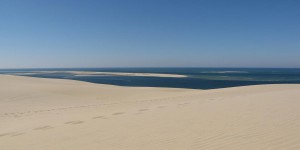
{"x":149,"y":33}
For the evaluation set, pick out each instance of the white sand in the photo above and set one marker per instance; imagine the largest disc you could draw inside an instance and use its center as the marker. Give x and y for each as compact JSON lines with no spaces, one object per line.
{"x":55,"y":114}
{"x":85,"y":73}
{"x":88,"y":73}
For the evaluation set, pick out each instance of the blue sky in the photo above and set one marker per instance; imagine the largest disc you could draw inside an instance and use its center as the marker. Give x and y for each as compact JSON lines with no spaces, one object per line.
{"x":149,"y":33}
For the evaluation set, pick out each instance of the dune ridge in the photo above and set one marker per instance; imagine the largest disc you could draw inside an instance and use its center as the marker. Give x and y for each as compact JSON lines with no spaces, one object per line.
{"x":48,"y":114}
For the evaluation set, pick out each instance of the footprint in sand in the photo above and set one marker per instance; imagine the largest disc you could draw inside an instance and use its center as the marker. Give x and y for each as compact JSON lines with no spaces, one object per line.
{"x":183,"y":104}
{"x":161,"y":106}
{"x":43,"y":128}
{"x":118,"y":113}
{"x":17,"y":134}
{"x":99,"y":117}
{"x":4,"y":134}
{"x":143,"y":109}
{"x":74,"y":122}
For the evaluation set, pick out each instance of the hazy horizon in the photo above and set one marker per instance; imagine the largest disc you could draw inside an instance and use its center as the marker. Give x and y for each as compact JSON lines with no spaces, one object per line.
{"x":134,"y":34}
{"x":53,"y":68}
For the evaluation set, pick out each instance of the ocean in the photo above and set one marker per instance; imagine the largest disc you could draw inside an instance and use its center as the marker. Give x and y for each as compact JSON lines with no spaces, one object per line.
{"x":197,"y":78}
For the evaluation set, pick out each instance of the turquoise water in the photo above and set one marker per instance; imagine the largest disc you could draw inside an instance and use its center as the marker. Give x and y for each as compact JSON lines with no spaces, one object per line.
{"x":198,"y":78}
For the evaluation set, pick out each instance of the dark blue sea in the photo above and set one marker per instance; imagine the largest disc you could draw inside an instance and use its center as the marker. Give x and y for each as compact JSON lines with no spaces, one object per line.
{"x":198,"y":78}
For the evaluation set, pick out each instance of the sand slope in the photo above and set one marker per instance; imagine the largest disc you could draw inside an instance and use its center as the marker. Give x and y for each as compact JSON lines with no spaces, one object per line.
{"x":55,"y":114}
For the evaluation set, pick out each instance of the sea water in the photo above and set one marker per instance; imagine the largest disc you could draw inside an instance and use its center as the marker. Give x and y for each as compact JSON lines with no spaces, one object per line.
{"x":197,"y":78}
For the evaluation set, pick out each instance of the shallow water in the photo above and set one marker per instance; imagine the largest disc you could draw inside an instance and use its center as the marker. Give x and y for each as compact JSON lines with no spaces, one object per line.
{"x":198,"y":78}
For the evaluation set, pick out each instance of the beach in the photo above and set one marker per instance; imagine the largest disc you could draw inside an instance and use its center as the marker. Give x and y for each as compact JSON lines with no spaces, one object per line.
{"x":60,"y":114}
{"x":92,"y":73}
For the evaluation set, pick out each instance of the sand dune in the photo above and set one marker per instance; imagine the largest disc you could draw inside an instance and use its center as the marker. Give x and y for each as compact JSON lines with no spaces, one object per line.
{"x":55,"y":114}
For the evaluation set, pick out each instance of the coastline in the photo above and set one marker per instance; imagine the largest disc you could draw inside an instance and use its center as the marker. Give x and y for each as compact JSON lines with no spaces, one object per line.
{"x":38,"y":113}
{"x":90,"y":73}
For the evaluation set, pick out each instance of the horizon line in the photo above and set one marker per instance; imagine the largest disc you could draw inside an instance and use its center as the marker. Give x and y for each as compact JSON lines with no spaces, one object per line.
{"x":148,"y":67}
